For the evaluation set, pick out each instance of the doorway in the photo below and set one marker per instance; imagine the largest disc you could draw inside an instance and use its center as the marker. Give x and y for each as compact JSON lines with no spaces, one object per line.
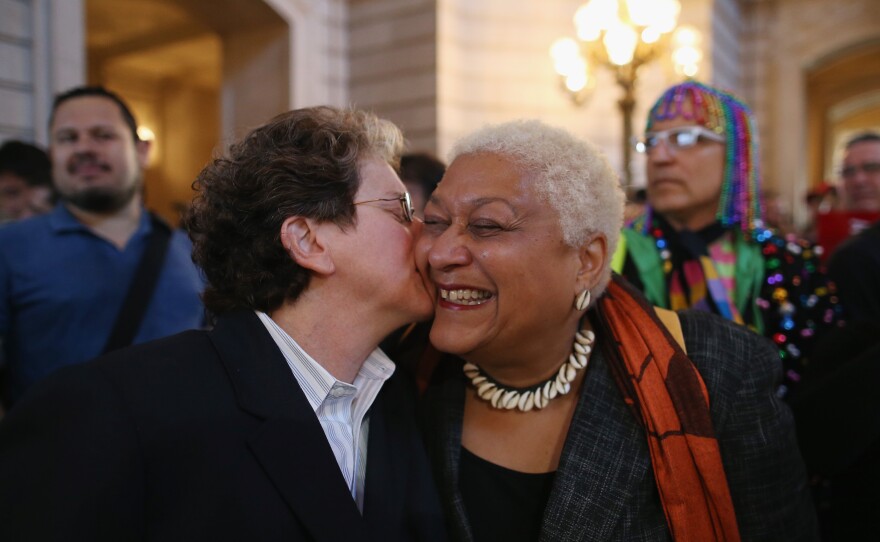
{"x":196,"y":74}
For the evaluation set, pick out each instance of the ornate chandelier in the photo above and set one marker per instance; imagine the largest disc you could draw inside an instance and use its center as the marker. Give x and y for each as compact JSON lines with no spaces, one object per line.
{"x":622,"y":35}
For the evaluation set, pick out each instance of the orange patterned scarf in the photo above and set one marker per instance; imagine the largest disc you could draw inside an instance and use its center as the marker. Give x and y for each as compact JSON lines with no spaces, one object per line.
{"x":668,"y":397}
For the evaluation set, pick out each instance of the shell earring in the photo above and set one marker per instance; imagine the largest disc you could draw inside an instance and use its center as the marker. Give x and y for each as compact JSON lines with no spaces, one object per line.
{"x":582,"y":301}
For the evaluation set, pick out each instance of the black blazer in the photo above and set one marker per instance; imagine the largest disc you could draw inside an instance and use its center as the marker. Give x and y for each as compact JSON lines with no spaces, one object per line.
{"x":203,"y":436}
{"x":604,"y":488}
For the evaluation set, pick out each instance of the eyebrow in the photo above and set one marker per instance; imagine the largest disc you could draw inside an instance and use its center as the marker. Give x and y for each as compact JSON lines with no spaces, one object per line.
{"x":387,"y":195}
{"x":102,"y":126}
{"x":478,"y":202}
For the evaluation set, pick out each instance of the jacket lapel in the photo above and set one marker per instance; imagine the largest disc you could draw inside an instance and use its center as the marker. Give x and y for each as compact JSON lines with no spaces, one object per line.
{"x":385,"y":481}
{"x":290,"y":444}
{"x":603,"y":464}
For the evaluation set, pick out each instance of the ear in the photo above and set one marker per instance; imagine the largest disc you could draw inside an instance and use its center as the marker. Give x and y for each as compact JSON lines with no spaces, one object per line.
{"x":142,"y":148}
{"x":302,"y":239}
{"x":593,"y":257}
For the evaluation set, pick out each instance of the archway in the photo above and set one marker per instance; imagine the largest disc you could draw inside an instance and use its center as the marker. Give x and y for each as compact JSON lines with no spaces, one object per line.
{"x":843,"y":97}
{"x":195,"y":73}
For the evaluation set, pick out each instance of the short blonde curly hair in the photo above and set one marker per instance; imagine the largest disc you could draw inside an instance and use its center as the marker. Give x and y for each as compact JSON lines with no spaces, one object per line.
{"x":570,"y":174}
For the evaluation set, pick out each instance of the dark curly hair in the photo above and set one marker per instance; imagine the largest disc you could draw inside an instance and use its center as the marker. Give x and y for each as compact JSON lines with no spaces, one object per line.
{"x":27,"y":161}
{"x":301,"y":163}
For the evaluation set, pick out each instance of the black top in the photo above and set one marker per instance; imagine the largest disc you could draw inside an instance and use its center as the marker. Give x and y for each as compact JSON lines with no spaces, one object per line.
{"x":502,"y":504}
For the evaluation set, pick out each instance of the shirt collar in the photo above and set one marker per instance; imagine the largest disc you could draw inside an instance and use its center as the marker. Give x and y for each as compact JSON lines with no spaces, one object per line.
{"x":62,"y":220}
{"x":315,"y":381}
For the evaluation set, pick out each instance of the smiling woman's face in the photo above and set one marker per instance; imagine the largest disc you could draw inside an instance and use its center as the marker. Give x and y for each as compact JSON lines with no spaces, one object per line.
{"x":495,"y":251}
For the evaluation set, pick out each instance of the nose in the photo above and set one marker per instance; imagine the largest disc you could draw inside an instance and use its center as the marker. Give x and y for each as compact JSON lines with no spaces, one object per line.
{"x":448,"y":250}
{"x":83,"y":145}
{"x":661,"y":153}
{"x":859,"y":177}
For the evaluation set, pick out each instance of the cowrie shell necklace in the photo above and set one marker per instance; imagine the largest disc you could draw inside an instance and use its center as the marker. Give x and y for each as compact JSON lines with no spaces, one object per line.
{"x":538,"y":396}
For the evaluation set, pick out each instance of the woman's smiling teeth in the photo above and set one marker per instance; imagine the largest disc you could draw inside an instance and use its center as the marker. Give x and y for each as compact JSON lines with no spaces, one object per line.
{"x":465,"y":296}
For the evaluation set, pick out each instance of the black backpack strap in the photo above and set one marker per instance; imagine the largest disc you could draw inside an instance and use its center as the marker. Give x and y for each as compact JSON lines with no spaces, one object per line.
{"x":130,"y":316}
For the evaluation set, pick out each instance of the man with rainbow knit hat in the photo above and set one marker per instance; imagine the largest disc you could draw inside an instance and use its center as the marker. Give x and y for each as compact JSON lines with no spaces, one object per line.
{"x":701,"y":242}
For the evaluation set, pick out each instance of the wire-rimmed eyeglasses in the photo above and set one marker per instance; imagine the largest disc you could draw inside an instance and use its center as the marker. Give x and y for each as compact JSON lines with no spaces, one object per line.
{"x":682,"y":137}
{"x":868,"y":168}
{"x":406,"y":207}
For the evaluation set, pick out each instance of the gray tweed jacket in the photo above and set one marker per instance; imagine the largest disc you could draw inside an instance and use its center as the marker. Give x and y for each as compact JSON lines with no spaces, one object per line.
{"x":604,"y":488}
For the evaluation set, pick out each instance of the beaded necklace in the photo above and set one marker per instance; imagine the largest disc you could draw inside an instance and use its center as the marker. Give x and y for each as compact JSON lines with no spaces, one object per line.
{"x":539,"y":395}
{"x":777,"y":253}
{"x":701,"y":275}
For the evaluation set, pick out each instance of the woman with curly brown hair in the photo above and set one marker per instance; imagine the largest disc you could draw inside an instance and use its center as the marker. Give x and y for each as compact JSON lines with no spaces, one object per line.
{"x":284,"y":422}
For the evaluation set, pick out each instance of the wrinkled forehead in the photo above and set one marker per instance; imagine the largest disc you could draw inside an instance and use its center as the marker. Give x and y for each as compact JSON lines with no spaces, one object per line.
{"x":86,"y":111}
{"x":378,"y":179}
{"x":476,"y":176}
{"x":863,"y":151}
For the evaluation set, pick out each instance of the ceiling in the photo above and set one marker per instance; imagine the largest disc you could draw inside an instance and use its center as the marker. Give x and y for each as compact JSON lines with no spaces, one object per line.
{"x":168,"y":38}
{"x":841,"y":93}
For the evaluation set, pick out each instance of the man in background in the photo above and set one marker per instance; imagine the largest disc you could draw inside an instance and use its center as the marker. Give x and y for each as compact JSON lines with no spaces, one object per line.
{"x":25,"y":181}
{"x":855,"y":264}
{"x":861,"y":173}
{"x":702,"y":243}
{"x":837,"y":415}
{"x":99,"y":272}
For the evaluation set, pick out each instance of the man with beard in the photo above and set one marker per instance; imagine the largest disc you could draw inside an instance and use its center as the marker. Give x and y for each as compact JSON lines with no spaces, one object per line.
{"x":99,"y":272}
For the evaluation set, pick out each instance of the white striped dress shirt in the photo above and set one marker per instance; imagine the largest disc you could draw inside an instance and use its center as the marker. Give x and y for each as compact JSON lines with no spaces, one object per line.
{"x":341,"y":408}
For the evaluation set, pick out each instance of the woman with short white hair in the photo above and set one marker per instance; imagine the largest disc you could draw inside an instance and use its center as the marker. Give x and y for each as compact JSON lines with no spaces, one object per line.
{"x":565,"y":408}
